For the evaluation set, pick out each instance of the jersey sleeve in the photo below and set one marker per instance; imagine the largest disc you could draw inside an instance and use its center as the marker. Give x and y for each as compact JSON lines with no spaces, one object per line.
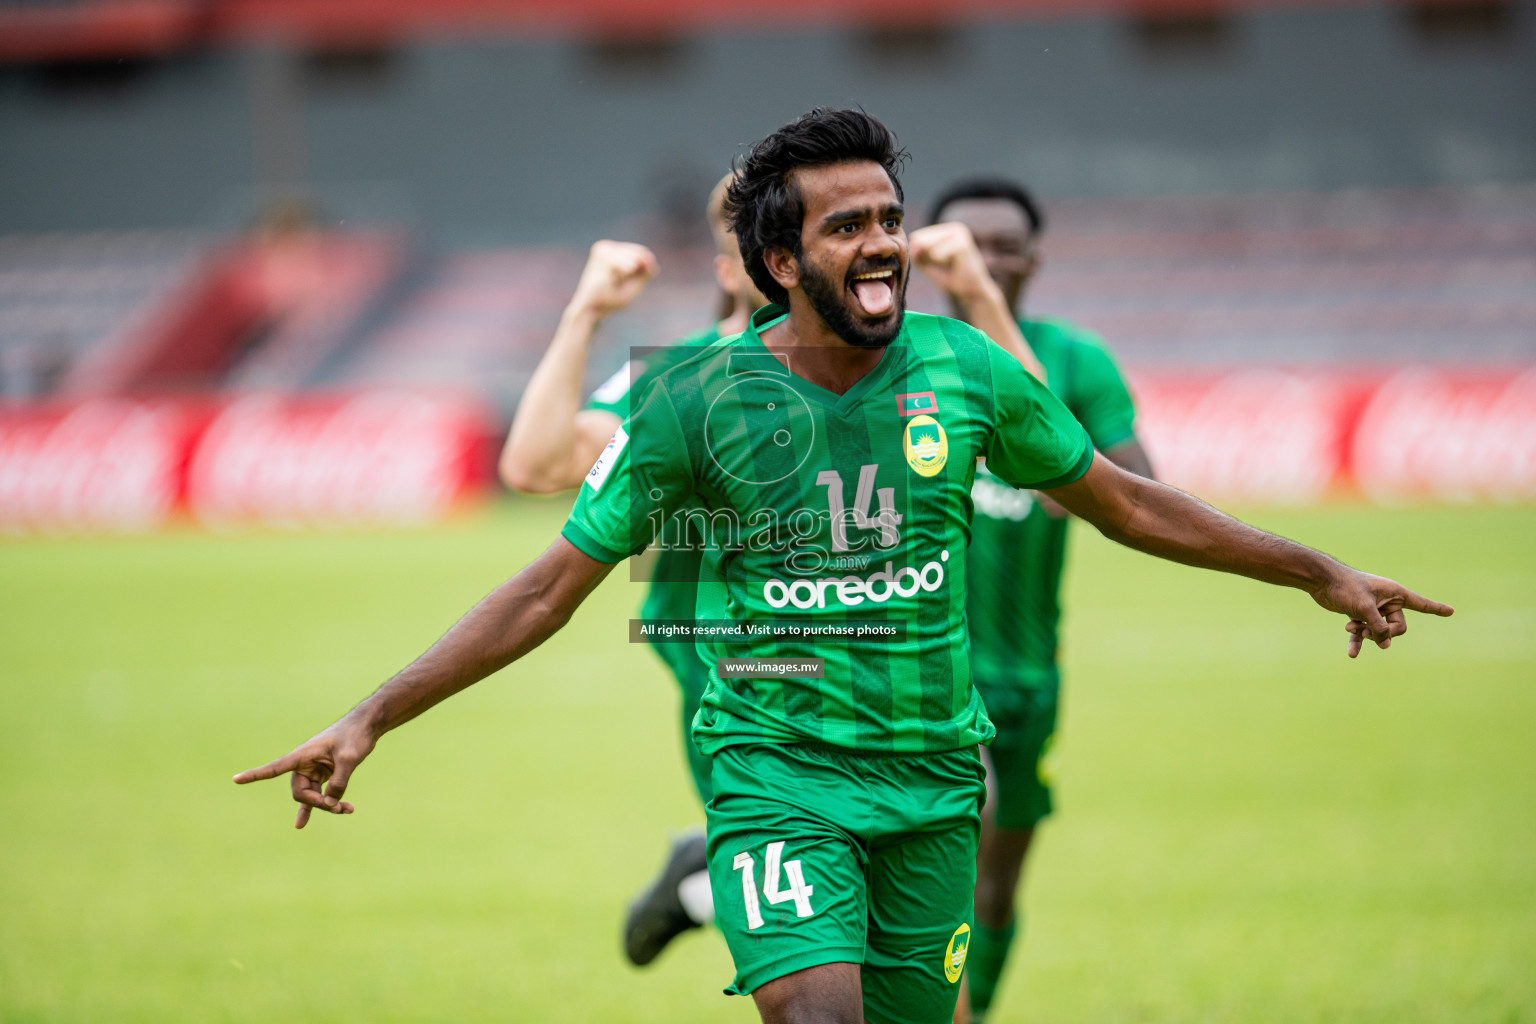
{"x":612,"y":395}
{"x":1036,"y":442}
{"x":1101,"y":399}
{"x":642,"y":477}
{"x":644,"y":366}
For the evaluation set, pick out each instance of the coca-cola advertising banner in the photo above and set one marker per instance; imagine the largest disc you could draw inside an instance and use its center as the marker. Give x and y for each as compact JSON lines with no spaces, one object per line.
{"x":1275,"y":436}
{"x":1253,"y":435}
{"x":118,"y":464}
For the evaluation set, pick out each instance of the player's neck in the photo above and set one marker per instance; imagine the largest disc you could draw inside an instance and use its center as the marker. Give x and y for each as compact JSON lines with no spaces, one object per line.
{"x":736,"y":322}
{"x":820,"y":355}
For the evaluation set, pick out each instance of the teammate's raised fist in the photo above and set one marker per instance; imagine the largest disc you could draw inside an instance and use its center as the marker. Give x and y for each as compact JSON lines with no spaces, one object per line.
{"x":948,"y":254}
{"x":615,"y":274}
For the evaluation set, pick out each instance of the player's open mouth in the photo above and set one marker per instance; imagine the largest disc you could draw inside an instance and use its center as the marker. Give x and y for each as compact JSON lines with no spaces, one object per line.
{"x":875,"y":291}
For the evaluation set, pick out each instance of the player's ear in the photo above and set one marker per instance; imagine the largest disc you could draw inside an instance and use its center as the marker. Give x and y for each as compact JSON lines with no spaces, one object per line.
{"x":725,"y":274}
{"x":782,"y":267}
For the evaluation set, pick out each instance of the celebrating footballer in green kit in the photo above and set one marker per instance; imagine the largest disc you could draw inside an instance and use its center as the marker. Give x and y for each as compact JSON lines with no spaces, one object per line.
{"x":832,"y":449}
{"x":1018,"y":549}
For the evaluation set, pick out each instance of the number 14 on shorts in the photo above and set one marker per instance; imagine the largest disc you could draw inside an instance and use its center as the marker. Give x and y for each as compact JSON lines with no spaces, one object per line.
{"x":798,"y":891}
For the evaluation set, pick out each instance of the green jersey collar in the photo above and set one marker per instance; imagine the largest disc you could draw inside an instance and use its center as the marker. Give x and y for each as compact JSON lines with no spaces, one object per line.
{"x":773,"y":313}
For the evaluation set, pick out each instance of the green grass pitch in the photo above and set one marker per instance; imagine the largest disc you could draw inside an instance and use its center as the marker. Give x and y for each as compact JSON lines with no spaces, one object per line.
{"x":1251,"y":827}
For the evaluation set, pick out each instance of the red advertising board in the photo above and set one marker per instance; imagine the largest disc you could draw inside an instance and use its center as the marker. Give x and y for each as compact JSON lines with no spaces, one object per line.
{"x":122,"y":464}
{"x":384,"y":457}
{"x":1426,"y":434}
{"x":101,"y":464}
{"x":1250,"y":435}
{"x":1295,"y":436}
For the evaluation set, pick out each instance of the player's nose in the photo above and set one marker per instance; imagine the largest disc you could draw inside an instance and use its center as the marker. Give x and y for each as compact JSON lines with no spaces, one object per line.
{"x":881,"y":244}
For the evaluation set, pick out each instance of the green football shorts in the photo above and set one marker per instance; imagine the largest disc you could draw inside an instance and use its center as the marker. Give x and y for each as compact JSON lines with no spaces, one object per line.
{"x":818,"y":855}
{"x":1025,"y":717}
{"x":692,"y":677}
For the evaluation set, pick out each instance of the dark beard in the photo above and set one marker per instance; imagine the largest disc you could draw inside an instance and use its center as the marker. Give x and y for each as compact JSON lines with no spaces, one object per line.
{"x":826,"y":298}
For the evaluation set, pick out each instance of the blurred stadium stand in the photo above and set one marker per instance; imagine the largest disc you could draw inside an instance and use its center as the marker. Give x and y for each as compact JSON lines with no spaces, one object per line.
{"x":137,"y":313}
{"x":476,"y":320}
{"x":500,"y":135}
{"x":65,"y":297}
{"x":1432,"y":276}
{"x":480,"y":320}
{"x":1264,"y":206}
{"x":1441,"y":276}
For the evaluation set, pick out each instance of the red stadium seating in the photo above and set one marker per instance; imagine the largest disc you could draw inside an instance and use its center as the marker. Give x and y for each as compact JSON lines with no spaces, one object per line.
{"x":75,"y":29}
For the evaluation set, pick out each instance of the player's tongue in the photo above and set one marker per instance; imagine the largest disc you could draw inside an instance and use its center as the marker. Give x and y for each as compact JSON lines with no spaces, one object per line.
{"x":875,"y":295}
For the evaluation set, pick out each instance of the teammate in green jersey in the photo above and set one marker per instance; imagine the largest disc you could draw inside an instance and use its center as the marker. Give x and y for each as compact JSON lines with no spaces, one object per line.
{"x":1018,"y":549}
{"x":551,"y":445}
{"x":833,"y":446}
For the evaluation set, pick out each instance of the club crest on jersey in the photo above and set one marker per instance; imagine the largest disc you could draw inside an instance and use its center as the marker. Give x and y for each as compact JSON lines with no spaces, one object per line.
{"x":917,"y":403}
{"x":954,"y":956}
{"x":925,"y":444}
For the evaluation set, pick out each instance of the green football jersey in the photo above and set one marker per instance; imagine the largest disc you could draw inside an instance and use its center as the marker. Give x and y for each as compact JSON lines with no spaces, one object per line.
{"x":1018,"y":549}
{"x":826,"y":510}
{"x":674,"y":581}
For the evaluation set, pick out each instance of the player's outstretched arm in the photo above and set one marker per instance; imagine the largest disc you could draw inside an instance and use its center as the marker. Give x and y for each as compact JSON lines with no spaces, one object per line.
{"x":511,"y":621}
{"x":553,"y":440}
{"x":948,"y":254}
{"x":1168,"y":523}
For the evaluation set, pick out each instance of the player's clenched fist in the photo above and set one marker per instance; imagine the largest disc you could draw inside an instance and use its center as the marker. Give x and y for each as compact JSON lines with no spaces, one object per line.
{"x":948,"y":254}
{"x":329,"y":757}
{"x":615,"y":274}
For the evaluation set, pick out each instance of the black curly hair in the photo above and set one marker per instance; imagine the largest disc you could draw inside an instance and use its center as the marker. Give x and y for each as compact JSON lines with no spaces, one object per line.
{"x":764,"y":204}
{"x":992,"y":188}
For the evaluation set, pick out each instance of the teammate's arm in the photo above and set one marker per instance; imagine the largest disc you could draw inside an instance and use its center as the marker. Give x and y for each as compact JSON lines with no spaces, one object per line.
{"x":553,"y":440}
{"x":1168,"y":523}
{"x":948,"y":254}
{"x":511,"y":621}
{"x":1102,"y":403}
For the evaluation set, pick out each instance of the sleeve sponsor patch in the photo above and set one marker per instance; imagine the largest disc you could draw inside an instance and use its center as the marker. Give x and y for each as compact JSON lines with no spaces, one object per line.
{"x":605,"y":462}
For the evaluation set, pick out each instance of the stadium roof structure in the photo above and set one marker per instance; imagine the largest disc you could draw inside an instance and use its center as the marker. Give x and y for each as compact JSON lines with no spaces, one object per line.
{"x":94,"y":29}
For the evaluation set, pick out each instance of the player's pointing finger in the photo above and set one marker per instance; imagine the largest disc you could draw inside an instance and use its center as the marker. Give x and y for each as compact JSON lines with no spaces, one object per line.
{"x":1419,"y":603}
{"x":271,"y":770}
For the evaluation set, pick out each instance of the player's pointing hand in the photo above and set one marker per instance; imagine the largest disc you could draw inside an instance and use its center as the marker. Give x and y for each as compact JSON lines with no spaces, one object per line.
{"x":615,"y":274}
{"x":1376,"y":607}
{"x":329,"y":757}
